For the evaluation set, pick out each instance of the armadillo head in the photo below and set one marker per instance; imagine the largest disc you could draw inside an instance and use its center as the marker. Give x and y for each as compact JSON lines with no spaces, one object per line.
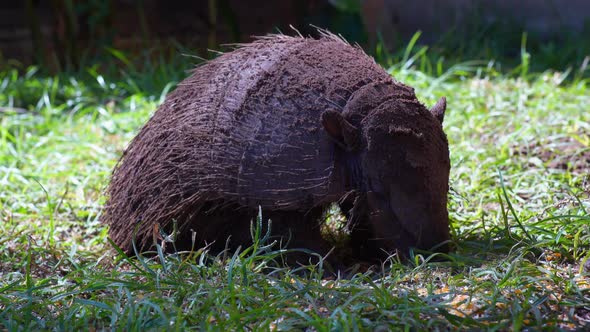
{"x":404,"y":157}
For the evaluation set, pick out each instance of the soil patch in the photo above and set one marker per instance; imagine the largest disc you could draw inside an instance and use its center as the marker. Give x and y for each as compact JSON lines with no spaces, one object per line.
{"x":564,"y":153}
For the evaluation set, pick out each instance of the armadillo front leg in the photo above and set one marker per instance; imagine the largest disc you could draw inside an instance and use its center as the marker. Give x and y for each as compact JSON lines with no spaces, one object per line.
{"x":297,"y":230}
{"x":356,"y":212}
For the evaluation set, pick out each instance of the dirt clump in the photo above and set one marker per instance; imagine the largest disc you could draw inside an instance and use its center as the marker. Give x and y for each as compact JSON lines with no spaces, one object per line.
{"x":564,"y":153}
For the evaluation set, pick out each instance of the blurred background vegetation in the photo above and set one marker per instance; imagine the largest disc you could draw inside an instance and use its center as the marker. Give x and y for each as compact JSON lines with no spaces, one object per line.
{"x":147,"y":46}
{"x":73,"y":35}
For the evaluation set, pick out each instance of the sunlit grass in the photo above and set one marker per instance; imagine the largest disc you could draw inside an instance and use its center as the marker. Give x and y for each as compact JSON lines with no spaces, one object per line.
{"x":519,"y":207}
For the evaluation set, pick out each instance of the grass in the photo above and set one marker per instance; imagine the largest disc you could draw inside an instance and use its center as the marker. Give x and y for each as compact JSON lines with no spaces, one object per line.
{"x":519,"y":208}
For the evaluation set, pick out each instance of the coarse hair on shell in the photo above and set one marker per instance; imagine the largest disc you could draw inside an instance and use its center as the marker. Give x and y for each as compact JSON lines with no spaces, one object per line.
{"x":244,"y":131}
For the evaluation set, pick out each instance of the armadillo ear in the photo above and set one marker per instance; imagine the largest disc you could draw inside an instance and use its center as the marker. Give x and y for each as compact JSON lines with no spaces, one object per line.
{"x":439,"y":109}
{"x":340,"y":130}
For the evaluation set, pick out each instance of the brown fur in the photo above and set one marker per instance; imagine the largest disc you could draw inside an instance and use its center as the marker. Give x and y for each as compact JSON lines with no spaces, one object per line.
{"x":245,"y":130}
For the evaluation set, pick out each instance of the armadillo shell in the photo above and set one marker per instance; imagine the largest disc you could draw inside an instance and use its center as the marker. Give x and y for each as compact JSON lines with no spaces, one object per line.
{"x":243,"y":129}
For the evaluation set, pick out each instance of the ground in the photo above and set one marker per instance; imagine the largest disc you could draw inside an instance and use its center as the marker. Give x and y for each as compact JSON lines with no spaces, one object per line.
{"x":519,"y":209}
